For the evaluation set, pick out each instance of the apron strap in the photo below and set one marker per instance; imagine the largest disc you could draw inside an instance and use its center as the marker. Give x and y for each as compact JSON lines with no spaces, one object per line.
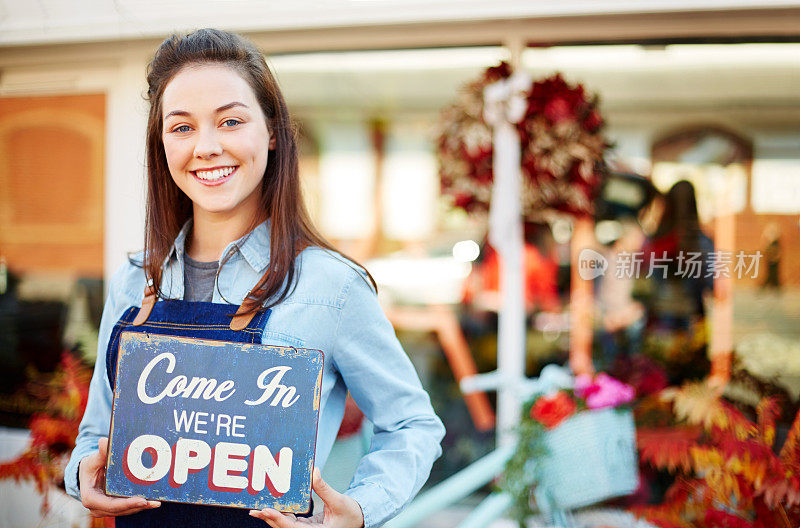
{"x":239,"y":321}
{"x":147,"y":305}
{"x":242,"y":317}
{"x":249,"y":307}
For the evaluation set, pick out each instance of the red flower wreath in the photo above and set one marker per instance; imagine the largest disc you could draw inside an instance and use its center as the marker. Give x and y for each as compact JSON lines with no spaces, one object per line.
{"x":561,"y":141}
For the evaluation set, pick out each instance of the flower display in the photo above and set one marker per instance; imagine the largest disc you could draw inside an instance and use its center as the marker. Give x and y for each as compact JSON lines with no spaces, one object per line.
{"x":642,"y":373}
{"x":561,"y":403}
{"x":552,"y":410}
{"x":562,"y":148}
{"x":561,"y":142}
{"x":465,"y":145}
{"x":602,"y":391}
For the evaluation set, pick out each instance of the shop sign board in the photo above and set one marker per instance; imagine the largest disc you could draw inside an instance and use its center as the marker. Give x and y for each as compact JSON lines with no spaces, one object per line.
{"x":214,"y":422}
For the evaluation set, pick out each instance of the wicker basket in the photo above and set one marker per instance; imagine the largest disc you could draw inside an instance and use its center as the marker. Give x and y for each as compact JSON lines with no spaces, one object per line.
{"x":591,"y":458}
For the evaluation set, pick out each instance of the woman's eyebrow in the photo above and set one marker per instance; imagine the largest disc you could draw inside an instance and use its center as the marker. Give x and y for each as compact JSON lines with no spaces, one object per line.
{"x":218,"y":110}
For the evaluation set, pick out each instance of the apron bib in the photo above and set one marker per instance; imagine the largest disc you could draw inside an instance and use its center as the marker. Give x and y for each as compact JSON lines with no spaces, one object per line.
{"x":201,"y":320}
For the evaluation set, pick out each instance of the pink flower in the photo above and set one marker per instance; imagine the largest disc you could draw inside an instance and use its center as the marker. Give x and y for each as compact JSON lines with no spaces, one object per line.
{"x":603,"y":391}
{"x":584,"y":385}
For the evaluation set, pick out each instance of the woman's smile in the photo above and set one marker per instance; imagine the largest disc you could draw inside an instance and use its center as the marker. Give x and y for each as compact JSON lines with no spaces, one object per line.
{"x":215,"y":175}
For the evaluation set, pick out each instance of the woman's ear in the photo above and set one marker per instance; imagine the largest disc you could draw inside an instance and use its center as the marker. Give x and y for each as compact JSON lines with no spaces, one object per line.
{"x":271,"y":143}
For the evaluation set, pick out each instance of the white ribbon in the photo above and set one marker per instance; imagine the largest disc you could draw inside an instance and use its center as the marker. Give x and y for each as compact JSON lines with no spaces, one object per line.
{"x":504,"y":105}
{"x":505,"y":100}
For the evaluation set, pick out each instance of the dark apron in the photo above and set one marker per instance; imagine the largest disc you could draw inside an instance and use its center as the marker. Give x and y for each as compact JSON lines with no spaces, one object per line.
{"x":201,"y":320}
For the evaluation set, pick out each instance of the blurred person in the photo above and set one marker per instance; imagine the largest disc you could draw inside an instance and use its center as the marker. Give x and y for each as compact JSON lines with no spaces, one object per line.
{"x":226,"y":227}
{"x":678,"y":259}
{"x":622,"y":318}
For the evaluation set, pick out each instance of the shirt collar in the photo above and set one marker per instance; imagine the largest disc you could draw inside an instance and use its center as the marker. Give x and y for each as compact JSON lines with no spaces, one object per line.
{"x":254,"y":246}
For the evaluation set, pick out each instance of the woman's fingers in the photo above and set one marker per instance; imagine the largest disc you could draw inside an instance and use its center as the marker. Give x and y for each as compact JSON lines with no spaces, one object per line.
{"x":316,"y":518}
{"x":101,"y":503}
{"x":91,"y":472}
{"x":117,"y":512}
{"x":340,"y":510}
{"x":329,"y":496}
{"x":93,"y":463}
{"x":275,"y":518}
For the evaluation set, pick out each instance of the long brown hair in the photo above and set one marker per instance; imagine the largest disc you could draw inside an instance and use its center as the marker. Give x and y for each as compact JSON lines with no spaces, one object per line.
{"x":680,"y":217}
{"x":168,"y":207}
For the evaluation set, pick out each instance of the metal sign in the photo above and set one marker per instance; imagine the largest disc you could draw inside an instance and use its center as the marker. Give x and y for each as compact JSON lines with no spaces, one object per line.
{"x":214,"y":422}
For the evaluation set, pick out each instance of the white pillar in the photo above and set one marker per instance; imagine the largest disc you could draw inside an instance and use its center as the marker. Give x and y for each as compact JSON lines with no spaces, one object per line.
{"x":504,"y":106}
{"x":508,"y":239}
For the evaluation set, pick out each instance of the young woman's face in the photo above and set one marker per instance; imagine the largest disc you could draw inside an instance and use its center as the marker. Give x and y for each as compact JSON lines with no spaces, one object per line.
{"x":216,"y":140}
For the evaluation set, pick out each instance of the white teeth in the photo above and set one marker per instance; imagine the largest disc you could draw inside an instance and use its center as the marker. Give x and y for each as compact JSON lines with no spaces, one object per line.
{"x":215,"y":174}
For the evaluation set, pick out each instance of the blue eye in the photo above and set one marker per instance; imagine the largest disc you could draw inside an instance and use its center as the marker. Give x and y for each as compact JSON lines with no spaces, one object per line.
{"x":182,"y":128}
{"x":234,"y":121}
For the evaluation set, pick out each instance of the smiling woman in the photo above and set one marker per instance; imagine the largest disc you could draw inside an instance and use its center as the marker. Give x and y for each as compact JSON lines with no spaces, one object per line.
{"x":225,"y":216}
{"x":215,"y":106}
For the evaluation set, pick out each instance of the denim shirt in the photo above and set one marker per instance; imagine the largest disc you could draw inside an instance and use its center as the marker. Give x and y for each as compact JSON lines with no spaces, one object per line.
{"x":332,"y":308}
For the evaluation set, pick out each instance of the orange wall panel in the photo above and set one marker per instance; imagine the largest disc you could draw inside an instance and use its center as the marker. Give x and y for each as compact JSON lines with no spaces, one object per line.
{"x":51,"y":183}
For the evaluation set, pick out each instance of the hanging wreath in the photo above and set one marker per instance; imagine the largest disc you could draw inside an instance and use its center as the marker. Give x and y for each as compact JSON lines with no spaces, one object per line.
{"x":561,"y":142}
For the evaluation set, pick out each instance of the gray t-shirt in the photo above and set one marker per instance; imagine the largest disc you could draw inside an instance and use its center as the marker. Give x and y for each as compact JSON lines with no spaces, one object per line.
{"x":198,"y":279}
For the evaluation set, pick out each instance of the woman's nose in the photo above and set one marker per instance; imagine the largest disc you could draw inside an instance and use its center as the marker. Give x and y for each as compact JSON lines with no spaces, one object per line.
{"x":207,"y":144}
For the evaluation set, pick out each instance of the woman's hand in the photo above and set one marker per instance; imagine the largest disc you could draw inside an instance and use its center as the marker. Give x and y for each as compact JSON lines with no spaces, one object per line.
{"x":340,"y":510}
{"x":92,"y":476}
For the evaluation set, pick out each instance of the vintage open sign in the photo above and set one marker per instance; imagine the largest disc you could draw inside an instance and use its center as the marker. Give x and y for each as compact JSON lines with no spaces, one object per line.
{"x":214,"y":422}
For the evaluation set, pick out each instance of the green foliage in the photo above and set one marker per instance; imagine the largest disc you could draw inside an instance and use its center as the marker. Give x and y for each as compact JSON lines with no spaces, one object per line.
{"x":520,"y":474}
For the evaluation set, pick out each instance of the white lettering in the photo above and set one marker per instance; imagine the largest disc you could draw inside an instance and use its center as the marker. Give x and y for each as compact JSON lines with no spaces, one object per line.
{"x":237,"y":425}
{"x":224,"y":386}
{"x":227,"y":464}
{"x":180,"y":386}
{"x":159,"y":450}
{"x":199,"y":421}
{"x":229,"y":461}
{"x":146,"y":372}
{"x":273,"y":472}
{"x":200,"y":386}
{"x":223,"y":420}
{"x":190,"y":457}
{"x":284,"y":394}
{"x":182,"y":422}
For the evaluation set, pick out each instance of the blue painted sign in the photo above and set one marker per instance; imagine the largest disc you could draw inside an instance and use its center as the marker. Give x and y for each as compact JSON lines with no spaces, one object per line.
{"x":214,"y":422}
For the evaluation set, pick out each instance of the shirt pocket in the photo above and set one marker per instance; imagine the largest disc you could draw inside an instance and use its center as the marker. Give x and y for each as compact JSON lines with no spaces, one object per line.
{"x":271,"y":337}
